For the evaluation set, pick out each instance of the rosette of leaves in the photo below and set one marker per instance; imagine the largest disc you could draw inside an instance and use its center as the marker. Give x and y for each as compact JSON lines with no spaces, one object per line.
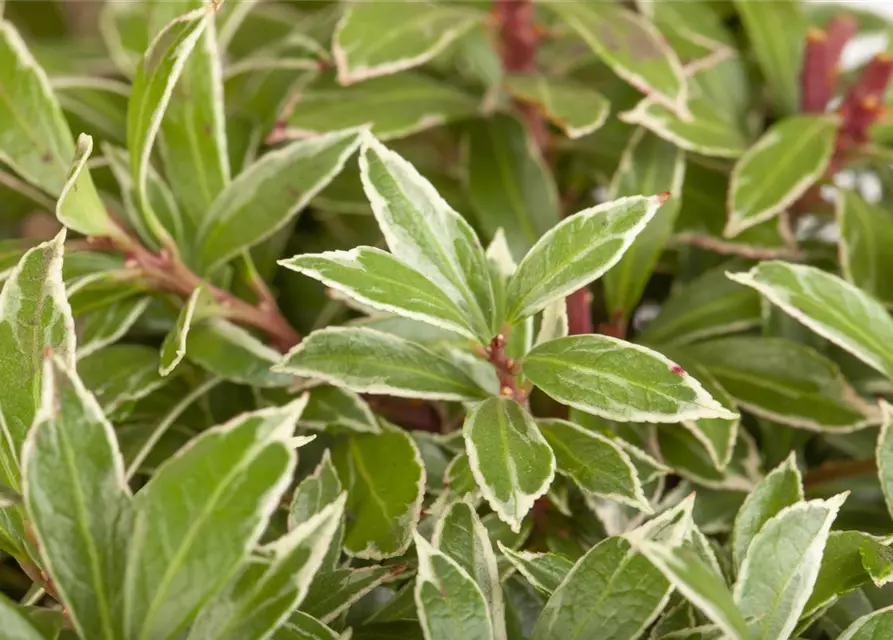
{"x":581,"y":328}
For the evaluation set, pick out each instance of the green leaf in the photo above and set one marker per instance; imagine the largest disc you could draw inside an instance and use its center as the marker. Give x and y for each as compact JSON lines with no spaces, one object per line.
{"x":619,"y":381}
{"x":34,"y":318}
{"x":777,"y":31}
{"x":511,"y":461}
{"x":211,"y":500}
{"x":554,"y":322}
{"x":707,"y":132}
{"x":267,"y":194}
{"x":121,"y":374}
{"x":449,"y":602}
{"x":100,"y":103}
{"x":613,"y":591}
{"x":707,"y":306}
{"x":872,"y":626}
{"x":317,"y":490}
{"x":78,"y":502}
{"x":103,"y":327}
{"x":781,"y":566}
{"x":782,"y":487}
{"x":648,"y":165}
{"x":884,"y":454}
{"x":833,"y":308}
{"x":790,"y":157}
{"x":334,"y":410}
{"x":232,"y":353}
{"x":150,"y":95}
{"x":193,"y":130}
{"x":301,"y":626}
{"x":423,"y":231}
{"x":509,"y":185}
{"x":570,"y":105}
{"x":460,"y":535}
{"x":877,"y":559}
{"x":79,"y":206}
{"x":699,"y":583}
{"x":378,"y":279}
{"x":577,"y":251}
{"x":385,"y":483}
{"x":841,"y":571}
{"x":369,"y":361}
{"x":866,"y":230}
{"x":34,"y":138}
{"x":173,"y":349}
{"x":365,"y":45}
{"x":631,"y":46}
{"x":261,"y":598}
{"x":594,"y":462}
{"x":545,"y":571}
{"x":16,"y":626}
{"x":784,"y":381}
{"x":396,"y":106}
{"x":334,"y":592}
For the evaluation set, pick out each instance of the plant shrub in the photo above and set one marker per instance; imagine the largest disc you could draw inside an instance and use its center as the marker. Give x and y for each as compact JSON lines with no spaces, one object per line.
{"x":474,"y":320}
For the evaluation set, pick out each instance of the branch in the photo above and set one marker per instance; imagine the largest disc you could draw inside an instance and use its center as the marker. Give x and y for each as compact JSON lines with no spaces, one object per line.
{"x":166,"y":272}
{"x":507,"y":370}
{"x":839,"y":470}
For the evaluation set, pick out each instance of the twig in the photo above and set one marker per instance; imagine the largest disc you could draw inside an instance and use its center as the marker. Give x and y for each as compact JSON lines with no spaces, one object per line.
{"x":507,"y":369}
{"x":839,"y":470}
{"x":166,"y":272}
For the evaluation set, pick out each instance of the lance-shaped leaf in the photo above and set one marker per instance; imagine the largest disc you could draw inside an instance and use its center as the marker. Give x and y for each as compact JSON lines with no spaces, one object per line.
{"x":877,"y":560}
{"x":333,"y":592}
{"x":460,"y":535}
{"x":781,"y":566}
{"x":554,"y":322}
{"x":830,"y":306}
{"x":572,"y":106}
{"x":232,"y":353}
{"x":173,"y":349}
{"x":707,"y":132}
{"x":619,"y":381}
{"x":545,"y":571}
{"x":509,"y":185}
{"x":34,"y":137}
{"x":369,"y":361}
{"x":267,"y":590}
{"x":871,"y":626}
{"x":315,"y":492}
{"x":884,"y":454}
{"x":699,"y":583}
{"x":613,"y":591}
{"x":200,"y":515}
{"x":631,"y":46}
{"x":102,"y":327}
{"x":34,"y":318}
{"x":648,"y":165}
{"x":193,"y":130}
{"x":395,"y":106}
{"x":270,"y":192}
{"x":778,"y":169}
{"x":121,"y":374}
{"x":16,"y":625}
{"x":380,"y":280}
{"x":423,"y":231}
{"x":777,"y":31}
{"x":594,"y":462}
{"x":707,"y":306}
{"x":79,"y":206}
{"x":334,"y":409}
{"x":782,"y":487}
{"x":448,"y":600}
{"x":577,"y":251}
{"x":150,"y":94}
{"x":783,"y":381}
{"x":78,"y":501}
{"x":866,"y":231}
{"x":385,"y":482}
{"x":511,"y":461}
{"x":842,"y":569}
{"x":426,"y":29}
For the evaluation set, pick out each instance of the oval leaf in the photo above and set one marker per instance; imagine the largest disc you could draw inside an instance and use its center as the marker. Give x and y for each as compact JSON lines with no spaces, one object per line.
{"x":572,"y":106}
{"x":866,"y":233}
